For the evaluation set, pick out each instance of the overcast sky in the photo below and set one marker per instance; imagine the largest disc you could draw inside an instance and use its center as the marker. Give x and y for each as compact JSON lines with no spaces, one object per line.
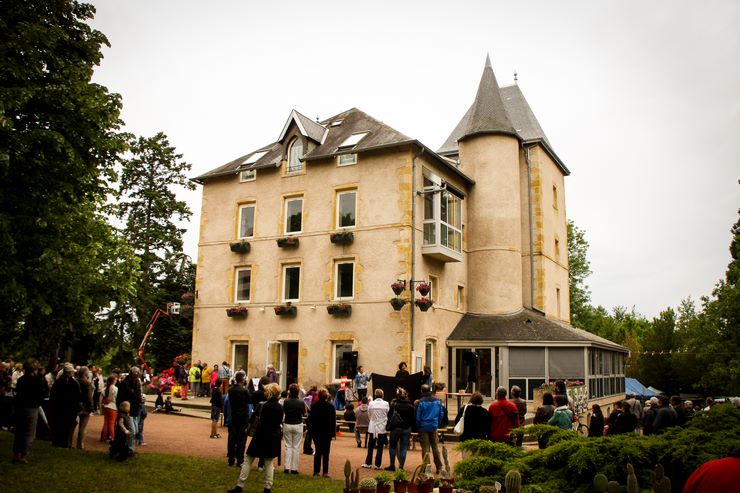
{"x":641,"y":100}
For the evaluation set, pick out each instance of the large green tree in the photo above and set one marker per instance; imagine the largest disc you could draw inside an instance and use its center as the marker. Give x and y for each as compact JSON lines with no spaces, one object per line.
{"x":59,"y":140}
{"x":150,"y":177}
{"x":579,"y":269}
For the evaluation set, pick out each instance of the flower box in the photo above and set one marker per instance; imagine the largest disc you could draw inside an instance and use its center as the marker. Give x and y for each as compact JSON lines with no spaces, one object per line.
{"x":342,"y":237}
{"x":339,"y":310}
{"x":398,"y":287}
{"x":237,"y":312}
{"x":423,"y":288}
{"x":285,"y":310}
{"x":287,"y":242}
{"x":423,"y":303}
{"x":240,"y":247}
{"x":397,"y":303}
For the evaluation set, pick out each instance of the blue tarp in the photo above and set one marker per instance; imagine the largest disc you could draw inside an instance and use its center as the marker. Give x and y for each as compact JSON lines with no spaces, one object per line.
{"x":632,"y":385}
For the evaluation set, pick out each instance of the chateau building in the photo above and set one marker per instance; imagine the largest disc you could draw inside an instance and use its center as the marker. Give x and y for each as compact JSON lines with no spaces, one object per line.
{"x":301,"y":240}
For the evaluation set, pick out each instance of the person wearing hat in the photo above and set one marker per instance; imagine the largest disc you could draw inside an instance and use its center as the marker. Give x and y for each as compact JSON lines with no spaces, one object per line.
{"x":65,"y":401}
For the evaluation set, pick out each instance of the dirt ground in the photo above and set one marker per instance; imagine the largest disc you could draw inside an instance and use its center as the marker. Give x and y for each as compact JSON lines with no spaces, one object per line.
{"x":185,"y":435}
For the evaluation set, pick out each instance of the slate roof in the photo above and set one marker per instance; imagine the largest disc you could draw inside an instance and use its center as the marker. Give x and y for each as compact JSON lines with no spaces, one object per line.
{"x":524,"y":326}
{"x":353,"y":121}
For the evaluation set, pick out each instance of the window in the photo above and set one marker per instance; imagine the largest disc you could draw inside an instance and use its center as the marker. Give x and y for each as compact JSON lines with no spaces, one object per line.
{"x":557,"y":249}
{"x":295,"y":153}
{"x":246,"y":221}
{"x":291,"y":282}
{"x":347,"y":159}
{"x":566,"y":362}
{"x":344,"y":281}
{"x":557,"y":300}
{"x":433,"y":289}
{"x":342,"y":360}
{"x":430,"y":348}
{"x":293,"y":215}
{"x":460,"y":300}
{"x":352,"y":140}
{"x":243,"y":284}
{"x":346,"y":209}
{"x":248,"y":175}
{"x":555,"y":197}
{"x":442,"y":221}
{"x":240,"y":356}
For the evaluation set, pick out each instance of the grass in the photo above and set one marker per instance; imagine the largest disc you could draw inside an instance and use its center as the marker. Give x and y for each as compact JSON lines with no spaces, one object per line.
{"x":82,"y":471}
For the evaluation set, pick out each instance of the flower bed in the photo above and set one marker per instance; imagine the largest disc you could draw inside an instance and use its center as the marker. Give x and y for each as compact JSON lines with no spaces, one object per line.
{"x":287,"y":242}
{"x":339,"y":310}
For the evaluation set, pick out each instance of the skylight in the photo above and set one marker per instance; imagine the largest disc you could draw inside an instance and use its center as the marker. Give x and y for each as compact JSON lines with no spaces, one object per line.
{"x":254,"y":158}
{"x":352,"y":140}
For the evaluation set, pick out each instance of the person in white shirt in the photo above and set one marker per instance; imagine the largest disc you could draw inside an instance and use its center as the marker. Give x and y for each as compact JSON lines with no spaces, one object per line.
{"x":378,"y":411}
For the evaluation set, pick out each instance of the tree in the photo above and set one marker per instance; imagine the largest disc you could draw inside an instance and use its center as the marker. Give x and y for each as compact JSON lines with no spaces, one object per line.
{"x":579,"y":269}
{"x":58,"y":145}
{"x":149,"y":179}
{"x":656,"y":363}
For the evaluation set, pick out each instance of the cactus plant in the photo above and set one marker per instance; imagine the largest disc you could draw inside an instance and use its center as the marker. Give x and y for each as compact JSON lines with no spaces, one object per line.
{"x":513,"y":481}
{"x":368,"y":484}
{"x":613,"y":487}
{"x":420,"y":469}
{"x":601,"y":483}
{"x":446,"y":460}
{"x":661,"y":482}
{"x":632,"y":486}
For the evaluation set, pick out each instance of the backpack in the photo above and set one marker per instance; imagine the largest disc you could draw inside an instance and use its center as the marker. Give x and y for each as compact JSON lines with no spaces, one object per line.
{"x":197,"y":374}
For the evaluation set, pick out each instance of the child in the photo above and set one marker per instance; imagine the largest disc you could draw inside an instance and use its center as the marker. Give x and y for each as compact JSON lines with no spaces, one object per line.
{"x":168,"y":407}
{"x":349,"y":416}
{"x":362,"y":417}
{"x":124,"y":427}
{"x":217,"y":407}
{"x":159,"y":403}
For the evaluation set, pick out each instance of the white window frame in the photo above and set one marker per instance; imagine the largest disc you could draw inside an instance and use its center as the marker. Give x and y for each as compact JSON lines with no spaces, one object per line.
{"x":334,"y":347}
{"x":248,"y":175}
{"x":285,"y":280}
{"x":336,"y":213}
{"x":236,"y":284}
{"x":431,"y":352}
{"x":301,"y":165}
{"x":436,"y":219}
{"x":433,"y":284}
{"x":336,"y":279}
{"x":234,"y":344}
{"x":287,"y":218}
{"x":347,"y":159}
{"x":460,"y":297}
{"x":253,"y":206}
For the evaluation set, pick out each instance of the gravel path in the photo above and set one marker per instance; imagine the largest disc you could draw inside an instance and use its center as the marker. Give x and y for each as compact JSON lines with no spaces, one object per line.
{"x":185,"y":435}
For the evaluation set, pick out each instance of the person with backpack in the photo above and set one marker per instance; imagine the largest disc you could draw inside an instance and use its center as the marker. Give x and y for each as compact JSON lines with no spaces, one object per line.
{"x":194,"y":378}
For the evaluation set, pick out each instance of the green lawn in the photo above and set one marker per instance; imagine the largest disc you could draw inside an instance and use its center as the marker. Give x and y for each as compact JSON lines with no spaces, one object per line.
{"x":81,"y":471}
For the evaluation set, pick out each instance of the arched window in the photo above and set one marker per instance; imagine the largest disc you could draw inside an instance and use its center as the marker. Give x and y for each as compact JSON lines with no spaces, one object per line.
{"x":295,"y":153}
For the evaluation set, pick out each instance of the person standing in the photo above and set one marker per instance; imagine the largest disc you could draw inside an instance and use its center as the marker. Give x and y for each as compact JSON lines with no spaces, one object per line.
{"x":403,"y":370}
{"x":181,"y":375}
{"x":427,"y":377}
{"x":521,"y":405}
{"x":666,"y":416}
{"x":224,"y":374}
{"x":361,"y":380}
{"x":108,"y":399}
{"x":65,"y":403}
{"x":239,"y":398}
{"x":194,"y":378}
{"x":429,"y":416}
{"x":504,"y":417}
{"x":477,"y":424}
{"x":271,"y":374}
{"x":86,"y":394}
{"x":378,"y":412}
{"x":562,"y":417}
{"x":30,"y":390}
{"x":596,"y":426}
{"x":323,"y":428}
{"x":97,"y":383}
{"x":295,"y":411}
{"x":400,"y":430}
{"x":217,"y":407}
{"x":205,"y":381}
{"x":362,"y":421}
{"x":129,"y":390}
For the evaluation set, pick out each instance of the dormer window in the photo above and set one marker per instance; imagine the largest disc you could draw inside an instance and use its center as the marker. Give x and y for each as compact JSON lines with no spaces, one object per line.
{"x":295,"y":153}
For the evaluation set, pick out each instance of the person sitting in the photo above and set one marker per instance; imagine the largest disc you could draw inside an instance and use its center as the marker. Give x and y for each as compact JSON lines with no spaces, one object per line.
{"x":168,"y":407}
{"x":159,"y":403}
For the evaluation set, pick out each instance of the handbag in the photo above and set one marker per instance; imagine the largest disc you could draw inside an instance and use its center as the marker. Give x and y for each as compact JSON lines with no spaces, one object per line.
{"x":396,"y":421}
{"x":460,"y":426}
{"x":254,"y":421}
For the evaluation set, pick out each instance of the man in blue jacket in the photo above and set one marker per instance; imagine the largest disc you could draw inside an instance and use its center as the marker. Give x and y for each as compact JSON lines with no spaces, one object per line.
{"x":429,"y":415}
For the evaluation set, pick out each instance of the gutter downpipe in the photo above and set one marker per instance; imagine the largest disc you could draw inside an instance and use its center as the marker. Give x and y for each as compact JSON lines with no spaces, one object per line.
{"x":413,"y":249}
{"x":531,"y":224}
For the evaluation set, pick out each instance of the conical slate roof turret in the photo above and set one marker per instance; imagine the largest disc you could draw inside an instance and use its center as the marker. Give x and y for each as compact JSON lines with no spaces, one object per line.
{"x":487,"y":114}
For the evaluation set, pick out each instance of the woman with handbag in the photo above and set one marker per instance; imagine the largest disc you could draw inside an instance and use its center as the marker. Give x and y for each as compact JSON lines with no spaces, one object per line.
{"x":266,"y":441}
{"x":401,"y":419}
{"x":475,"y":418}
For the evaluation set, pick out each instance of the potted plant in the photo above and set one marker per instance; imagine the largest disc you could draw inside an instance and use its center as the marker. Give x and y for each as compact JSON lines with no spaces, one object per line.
{"x":351,"y":479}
{"x":397,"y":303}
{"x":287,"y":242}
{"x":286,"y":310}
{"x":423,"y":288}
{"x":368,"y":485}
{"x":384,"y":482}
{"x":423,"y":303}
{"x":342,"y":237}
{"x":237,"y":312}
{"x":339,"y":310}
{"x":240,"y":247}
{"x":447,"y":482}
{"x":421,"y":481}
{"x":398,"y":287}
{"x":400,"y":481}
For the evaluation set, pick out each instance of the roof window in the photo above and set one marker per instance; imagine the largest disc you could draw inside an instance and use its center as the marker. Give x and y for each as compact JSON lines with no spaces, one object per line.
{"x":336,"y":123}
{"x":352,"y":140}
{"x":253,"y":158}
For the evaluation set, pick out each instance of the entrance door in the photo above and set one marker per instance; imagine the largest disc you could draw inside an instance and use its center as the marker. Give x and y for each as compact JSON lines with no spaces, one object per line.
{"x":474,"y":370}
{"x":283,"y":355}
{"x":240,"y":356}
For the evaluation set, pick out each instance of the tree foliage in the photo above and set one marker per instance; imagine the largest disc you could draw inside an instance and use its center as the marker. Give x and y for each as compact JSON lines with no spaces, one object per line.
{"x":579,"y":269}
{"x":58,"y":143}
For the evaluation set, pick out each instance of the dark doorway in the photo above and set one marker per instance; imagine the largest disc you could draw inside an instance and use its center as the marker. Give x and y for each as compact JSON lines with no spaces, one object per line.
{"x":291,"y":363}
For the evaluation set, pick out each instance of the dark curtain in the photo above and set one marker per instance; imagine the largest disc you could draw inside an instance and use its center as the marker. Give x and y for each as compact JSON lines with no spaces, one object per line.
{"x":411,"y":384}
